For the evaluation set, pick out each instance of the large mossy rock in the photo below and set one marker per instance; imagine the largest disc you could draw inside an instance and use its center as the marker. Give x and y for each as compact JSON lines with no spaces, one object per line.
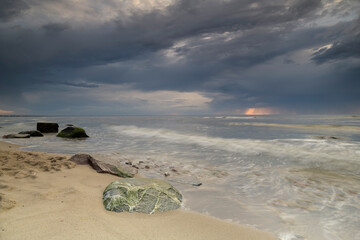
{"x":46,"y":127}
{"x":72,"y":132}
{"x":143,"y":195}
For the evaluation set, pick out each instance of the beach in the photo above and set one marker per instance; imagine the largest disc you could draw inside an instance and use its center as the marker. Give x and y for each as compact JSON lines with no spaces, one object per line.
{"x":45,"y":196}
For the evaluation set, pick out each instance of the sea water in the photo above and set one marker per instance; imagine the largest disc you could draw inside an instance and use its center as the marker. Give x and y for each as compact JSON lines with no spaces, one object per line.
{"x":295,"y":176}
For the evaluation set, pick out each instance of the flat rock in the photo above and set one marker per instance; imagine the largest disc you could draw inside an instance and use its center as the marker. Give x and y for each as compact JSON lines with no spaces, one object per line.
{"x":143,"y":195}
{"x":33,"y":133}
{"x":72,"y":132}
{"x":17,"y":136}
{"x":118,"y":169}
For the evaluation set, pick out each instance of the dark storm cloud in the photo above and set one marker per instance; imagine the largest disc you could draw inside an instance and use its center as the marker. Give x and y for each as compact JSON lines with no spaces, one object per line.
{"x":55,"y":28}
{"x":340,"y":50}
{"x":346,"y":45}
{"x":12,"y":8}
{"x":214,"y":46}
{"x":153,"y":31}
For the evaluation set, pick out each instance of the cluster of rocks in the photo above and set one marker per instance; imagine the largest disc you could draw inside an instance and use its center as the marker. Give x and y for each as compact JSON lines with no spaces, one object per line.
{"x":127,"y":194}
{"x":130,"y":194}
{"x":45,"y":127}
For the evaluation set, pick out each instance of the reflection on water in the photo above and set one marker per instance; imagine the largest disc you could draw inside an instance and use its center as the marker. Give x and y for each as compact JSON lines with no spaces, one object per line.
{"x":297,"y":176}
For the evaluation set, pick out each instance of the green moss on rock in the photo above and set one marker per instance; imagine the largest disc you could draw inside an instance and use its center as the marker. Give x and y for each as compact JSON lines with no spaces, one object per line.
{"x":72,"y":132}
{"x":141,"y":195}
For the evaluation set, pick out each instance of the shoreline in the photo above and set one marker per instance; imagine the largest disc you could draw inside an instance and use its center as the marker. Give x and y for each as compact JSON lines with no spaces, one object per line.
{"x":57,"y":200}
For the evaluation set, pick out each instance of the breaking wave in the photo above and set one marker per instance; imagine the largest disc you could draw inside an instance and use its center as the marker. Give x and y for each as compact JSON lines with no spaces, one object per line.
{"x":320,"y":150}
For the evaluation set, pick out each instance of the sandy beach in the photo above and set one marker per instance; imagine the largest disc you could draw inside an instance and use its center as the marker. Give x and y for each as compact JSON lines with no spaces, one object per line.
{"x":45,"y":196}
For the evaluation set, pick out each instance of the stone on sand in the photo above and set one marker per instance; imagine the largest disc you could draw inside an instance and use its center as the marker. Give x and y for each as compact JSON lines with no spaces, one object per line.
{"x":143,"y":195}
{"x":118,"y":169}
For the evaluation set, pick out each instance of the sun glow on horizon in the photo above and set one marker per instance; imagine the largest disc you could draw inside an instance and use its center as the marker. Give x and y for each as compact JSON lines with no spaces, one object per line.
{"x":260,"y":111}
{"x":6,"y":112}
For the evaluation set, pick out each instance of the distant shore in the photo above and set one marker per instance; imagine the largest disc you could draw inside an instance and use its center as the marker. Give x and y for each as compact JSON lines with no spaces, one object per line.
{"x":45,"y":196}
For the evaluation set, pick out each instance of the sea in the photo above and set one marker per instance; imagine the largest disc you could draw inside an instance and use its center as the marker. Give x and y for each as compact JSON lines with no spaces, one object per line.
{"x":296,"y":176}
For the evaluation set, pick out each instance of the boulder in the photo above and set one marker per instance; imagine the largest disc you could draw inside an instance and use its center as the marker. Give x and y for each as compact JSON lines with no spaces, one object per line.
{"x":33,"y":133}
{"x":46,"y":127}
{"x":118,"y":169}
{"x":72,"y":132}
{"x":17,"y":136}
{"x":143,"y":195}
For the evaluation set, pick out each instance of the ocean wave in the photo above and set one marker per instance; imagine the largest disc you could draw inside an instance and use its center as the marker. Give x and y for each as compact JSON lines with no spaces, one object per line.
{"x":333,"y":127}
{"x":319,"y":150}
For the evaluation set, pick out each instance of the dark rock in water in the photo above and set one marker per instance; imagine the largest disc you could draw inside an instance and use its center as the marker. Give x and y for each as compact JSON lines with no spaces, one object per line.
{"x":72,"y":132}
{"x":46,"y":127}
{"x":17,"y":136}
{"x":70,"y":125}
{"x":327,"y":137}
{"x":118,"y":169}
{"x":195,"y":184}
{"x":143,"y":195}
{"x":33,"y":133}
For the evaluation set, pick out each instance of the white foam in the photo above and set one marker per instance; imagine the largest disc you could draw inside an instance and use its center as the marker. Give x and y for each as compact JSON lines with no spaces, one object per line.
{"x":289,"y":236}
{"x":317,"y":150}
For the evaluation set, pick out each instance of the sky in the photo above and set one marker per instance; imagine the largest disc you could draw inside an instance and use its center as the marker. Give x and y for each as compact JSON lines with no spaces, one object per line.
{"x":179,"y":57}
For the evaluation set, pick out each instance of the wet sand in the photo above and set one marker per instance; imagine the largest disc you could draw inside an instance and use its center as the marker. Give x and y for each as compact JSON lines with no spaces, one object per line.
{"x":45,"y":196}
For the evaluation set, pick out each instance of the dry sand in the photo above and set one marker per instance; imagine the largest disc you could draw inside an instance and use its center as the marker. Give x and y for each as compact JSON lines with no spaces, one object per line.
{"x":44,"y":196}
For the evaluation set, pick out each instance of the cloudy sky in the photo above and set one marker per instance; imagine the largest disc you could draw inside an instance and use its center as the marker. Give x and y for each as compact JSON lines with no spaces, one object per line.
{"x":130,"y":57}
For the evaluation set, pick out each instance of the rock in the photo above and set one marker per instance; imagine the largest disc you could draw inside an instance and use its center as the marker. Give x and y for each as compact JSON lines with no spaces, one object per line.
{"x":195,"y":184}
{"x":143,"y":195}
{"x":134,"y":166}
{"x":72,"y":132}
{"x":327,"y":137}
{"x":70,"y":125}
{"x":17,"y":136}
{"x":166,"y":174}
{"x":46,"y":127}
{"x":33,"y":133}
{"x":118,"y":169}
{"x":81,"y":159}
